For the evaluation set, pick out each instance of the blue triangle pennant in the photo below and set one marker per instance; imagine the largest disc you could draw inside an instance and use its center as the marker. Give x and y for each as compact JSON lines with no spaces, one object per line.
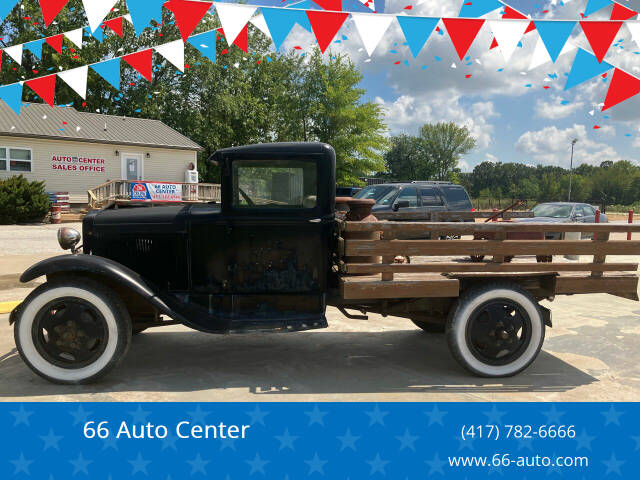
{"x":595,"y":5}
{"x":280,"y":22}
{"x":554,"y":35}
{"x":12,"y":96}
{"x":98,"y":34}
{"x":143,"y":11}
{"x":585,"y":66}
{"x":35,"y":47}
{"x":5,"y":8}
{"x":478,"y":8}
{"x":110,"y":71}
{"x":206,"y":44}
{"x":417,"y":31}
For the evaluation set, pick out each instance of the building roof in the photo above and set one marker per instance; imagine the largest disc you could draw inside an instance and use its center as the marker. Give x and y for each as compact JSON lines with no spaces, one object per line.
{"x":41,"y":121}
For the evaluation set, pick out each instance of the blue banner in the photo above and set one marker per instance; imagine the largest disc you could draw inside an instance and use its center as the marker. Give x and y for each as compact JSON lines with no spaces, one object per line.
{"x":323,"y":440}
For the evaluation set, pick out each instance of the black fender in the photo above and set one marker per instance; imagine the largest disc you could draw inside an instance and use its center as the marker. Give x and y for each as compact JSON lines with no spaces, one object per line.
{"x":96,"y":265}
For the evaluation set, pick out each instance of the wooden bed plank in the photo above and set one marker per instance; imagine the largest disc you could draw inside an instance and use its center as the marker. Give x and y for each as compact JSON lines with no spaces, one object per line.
{"x":359,"y":268}
{"x":626,"y":285}
{"x":369,"y":288}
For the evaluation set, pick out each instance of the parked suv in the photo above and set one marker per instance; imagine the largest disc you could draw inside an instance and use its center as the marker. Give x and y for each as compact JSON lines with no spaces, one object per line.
{"x":427,"y":196}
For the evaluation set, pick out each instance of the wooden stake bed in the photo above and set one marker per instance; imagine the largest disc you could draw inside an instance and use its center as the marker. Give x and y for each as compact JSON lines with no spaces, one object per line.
{"x":440,"y":268}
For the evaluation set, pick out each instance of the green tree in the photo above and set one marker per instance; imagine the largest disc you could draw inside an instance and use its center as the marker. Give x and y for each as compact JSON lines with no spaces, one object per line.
{"x":406,"y":159}
{"x":445,"y":144}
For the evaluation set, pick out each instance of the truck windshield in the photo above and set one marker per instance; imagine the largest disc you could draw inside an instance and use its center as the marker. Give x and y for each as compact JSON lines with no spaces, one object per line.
{"x":382,"y":194}
{"x":274,"y":184}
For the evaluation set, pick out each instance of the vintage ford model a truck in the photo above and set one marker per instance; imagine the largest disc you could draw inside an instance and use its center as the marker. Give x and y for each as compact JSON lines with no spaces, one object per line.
{"x":273,"y":255}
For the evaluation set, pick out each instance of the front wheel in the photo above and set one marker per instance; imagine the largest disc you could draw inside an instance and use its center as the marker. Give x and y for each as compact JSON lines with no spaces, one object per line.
{"x":495,"y":330}
{"x":72,"y":331}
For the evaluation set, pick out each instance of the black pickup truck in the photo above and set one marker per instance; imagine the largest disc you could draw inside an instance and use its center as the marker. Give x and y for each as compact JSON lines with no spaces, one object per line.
{"x":270,"y":257}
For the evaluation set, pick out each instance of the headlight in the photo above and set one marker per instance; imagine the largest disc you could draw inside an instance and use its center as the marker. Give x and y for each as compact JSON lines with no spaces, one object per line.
{"x":68,"y":238}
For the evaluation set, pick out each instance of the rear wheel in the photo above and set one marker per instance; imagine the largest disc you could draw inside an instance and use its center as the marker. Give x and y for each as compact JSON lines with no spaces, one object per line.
{"x":72,"y":331}
{"x":495,"y":330}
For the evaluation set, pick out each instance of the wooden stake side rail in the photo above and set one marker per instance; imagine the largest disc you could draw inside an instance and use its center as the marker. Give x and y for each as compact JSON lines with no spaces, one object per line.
{"x":447,"y":216}
{"x":437,"y":277}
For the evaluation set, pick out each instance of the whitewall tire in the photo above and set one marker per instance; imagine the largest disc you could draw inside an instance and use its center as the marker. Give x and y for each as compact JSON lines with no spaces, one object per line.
{"x":495,"y":330}
{"x":72,"y":330}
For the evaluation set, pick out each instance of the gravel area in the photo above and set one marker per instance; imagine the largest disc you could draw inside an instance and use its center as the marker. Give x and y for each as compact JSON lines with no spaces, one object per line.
{"x":31,"y":239}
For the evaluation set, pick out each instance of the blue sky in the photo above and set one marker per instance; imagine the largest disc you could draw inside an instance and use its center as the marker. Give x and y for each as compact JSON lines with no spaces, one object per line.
{"x":504,"y":105}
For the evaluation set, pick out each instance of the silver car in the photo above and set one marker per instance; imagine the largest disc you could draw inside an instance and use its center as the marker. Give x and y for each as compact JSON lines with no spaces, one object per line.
{"x":563,"y":212}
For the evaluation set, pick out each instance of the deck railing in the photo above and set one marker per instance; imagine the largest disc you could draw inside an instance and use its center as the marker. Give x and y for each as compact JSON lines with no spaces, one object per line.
{"x":119,"y":191}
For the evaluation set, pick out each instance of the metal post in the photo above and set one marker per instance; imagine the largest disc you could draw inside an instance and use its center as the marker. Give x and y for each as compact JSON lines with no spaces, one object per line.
{"x":573,"y":142}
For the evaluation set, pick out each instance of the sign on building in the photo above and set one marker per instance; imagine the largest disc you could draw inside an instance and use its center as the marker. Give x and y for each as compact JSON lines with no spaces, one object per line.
{"x":156,"y":192}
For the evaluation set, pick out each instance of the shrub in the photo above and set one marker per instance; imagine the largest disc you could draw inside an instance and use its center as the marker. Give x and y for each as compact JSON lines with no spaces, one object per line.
{"x":22,"y":201}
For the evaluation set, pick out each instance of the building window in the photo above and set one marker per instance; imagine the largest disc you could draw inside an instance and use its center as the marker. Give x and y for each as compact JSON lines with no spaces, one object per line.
{"x":3,"y":159}
{"x":19,"y":160}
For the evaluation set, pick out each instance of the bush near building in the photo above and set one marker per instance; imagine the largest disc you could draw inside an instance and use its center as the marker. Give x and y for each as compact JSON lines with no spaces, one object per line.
{"x":22,"y":201}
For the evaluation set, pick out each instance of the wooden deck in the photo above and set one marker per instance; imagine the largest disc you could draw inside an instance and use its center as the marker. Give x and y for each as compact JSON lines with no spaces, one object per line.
{"x":439,"y":268}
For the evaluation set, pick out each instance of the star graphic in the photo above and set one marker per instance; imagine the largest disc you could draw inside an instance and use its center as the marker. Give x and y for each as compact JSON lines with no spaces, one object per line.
{"x":465,"y":443}
{"x":637,"y":440}
{"x":286,"y":440}
{"x":377,"y":465}
{"x":51,"y":440}
{"x":553,"y":415}
{"x":198,"y":465}
{"x":584,"y":440}
{"x":407,"y":440}
{"x":376,"y":416}
{"x":110,"y":442}
{"x":169,"y":442}
{"x":198,"y":415}
{"x":494,"y":417}
{"x":80,"y":415}
{"x":348,"y":440}
{"x":435,"y":465}
{"x":612,"y":416}
{"x":257,"y":464}
{"x":525,"y":443}
{"x":139,"y":465}
{"x":613,"y":465}
{"x":316,"y":465}
{"x":139,"y":415}
{"x":228,"y":443}
{"x":21,"y":464}
{"x":80,"y":464}
{"x":435,"y":415}
{"x":21,"y":416}
{"x":316,"y":416}
{"x":553,"y":468}
{"x":257,"y":416}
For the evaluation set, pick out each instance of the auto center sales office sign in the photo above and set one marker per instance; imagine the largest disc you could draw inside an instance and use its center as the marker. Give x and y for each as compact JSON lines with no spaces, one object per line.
{"x":77,"y":164}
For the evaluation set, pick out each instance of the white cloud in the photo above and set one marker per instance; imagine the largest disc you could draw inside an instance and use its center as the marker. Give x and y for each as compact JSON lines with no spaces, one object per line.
{"x":489,"y":157}
{"x":553,"y":109}
{"x":552,"y":146}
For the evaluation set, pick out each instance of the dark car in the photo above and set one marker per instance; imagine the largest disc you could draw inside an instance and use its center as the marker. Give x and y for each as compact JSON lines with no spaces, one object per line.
{"x":424,"y":196}
{"x":563,"y":212}
{"x":347,"y":191}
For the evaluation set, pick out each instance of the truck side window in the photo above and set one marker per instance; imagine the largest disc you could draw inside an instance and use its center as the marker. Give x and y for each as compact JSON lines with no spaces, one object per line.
{"x":430,"y":198}
{"x":275,"y":184}
{"x":411,"y":194}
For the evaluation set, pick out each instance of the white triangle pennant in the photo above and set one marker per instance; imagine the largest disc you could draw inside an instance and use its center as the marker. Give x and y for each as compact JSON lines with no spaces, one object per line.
{"x":508,"y":33}
{"x":371,"y":28}
{"x":634,"y":29}
{"x":261,"y":24}
{"x":233,"y":17}
{"x":173,"y":52}
{"x":76,"y":79}
{"x":541,"y":56}
{"x":15,"y":52}
{"x":96,"y":10}
{"x":75,"y":36}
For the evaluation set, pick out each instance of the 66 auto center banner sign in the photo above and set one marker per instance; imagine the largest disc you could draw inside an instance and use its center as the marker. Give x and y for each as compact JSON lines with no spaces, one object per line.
{"x":156,"y":192}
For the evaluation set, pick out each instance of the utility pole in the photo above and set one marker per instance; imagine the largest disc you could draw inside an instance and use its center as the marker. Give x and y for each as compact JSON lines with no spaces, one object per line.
{"x":573,"y":143}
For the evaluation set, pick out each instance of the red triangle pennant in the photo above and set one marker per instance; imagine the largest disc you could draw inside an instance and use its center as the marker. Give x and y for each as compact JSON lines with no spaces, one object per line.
{"x":241,"y":41}
{"x":55,"y":42}
{"x":622,"y":87}
{"x":335,"y":5}
{"x":530,"y":28}
{"x":462,"y":32}
{"x":620,"y":12}
{"x":600,"y":36}
{"x":494,"y":44}
{"x":325,"y":25}
{"x":115,"y":24}
{"x":513,"y":14}
{"x":45,"y":87}
{"x":51,"y":9}
{"x":188,"y":14}
{"x":142,"y":62}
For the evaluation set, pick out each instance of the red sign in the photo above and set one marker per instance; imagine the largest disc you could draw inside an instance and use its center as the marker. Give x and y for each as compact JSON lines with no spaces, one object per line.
{"x":77,"y":164}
